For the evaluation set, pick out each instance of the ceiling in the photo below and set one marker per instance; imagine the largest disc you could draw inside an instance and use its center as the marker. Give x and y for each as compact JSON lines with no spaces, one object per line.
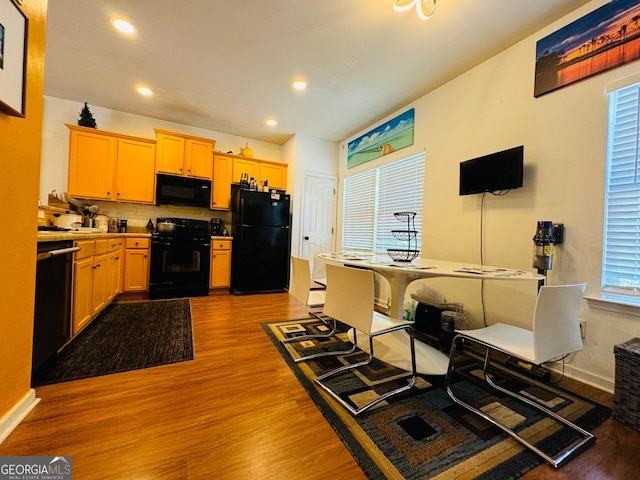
{"x":227,"y":65}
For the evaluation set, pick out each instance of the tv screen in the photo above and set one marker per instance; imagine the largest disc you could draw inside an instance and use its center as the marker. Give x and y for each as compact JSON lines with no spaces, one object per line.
{"x":492,"y":173}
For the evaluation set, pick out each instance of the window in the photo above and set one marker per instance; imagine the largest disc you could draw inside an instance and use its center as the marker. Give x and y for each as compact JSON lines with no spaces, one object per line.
{"x":371,"y":198}
{"x":621,"y":255}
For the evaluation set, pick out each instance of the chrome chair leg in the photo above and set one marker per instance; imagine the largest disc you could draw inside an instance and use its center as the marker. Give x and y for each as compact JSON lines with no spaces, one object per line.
{"x":313,"y":356}
{"x":560,"y":457}
{"x":356,"y":411}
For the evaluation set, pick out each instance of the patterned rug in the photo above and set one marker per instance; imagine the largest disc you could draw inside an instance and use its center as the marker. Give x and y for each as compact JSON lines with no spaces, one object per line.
{"x":125,"y":336}
{"x":423,"y":433}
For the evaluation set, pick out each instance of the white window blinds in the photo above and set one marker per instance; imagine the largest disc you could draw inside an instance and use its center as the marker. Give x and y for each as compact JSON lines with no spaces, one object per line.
{"x":371,"y":198}
{"x":621,"y":257}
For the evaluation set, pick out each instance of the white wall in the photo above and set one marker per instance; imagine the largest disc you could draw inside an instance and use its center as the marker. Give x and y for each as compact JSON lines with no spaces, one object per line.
{"x":305,"y":155}
{"x":490,"y":108}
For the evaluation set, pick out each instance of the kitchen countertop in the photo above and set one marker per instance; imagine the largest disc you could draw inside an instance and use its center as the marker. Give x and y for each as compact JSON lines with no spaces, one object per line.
{"x":53,"y":236}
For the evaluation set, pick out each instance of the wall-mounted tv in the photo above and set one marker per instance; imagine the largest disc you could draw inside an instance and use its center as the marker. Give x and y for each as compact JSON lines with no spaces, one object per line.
{"x":496,"y":172}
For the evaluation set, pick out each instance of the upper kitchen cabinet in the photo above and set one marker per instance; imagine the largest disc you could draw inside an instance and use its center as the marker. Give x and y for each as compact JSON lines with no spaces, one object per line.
{"x":221,"y":192}
{"x":110,"y":166}
{"x":274,"y":173}
{"x":186,"y":155}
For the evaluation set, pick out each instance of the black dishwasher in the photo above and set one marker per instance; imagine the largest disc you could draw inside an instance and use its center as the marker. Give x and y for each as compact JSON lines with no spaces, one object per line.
{"x":52,"y":316}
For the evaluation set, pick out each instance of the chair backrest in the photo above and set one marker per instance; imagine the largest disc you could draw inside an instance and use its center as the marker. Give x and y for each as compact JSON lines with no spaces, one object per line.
{"x":300,"y":283}
{"x":350,"y":296}
{"x":318,"y":272}
{"x":556,"y":321}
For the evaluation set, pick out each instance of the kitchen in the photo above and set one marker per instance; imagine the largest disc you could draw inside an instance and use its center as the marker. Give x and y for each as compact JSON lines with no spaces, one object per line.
{"x":300,"y":153}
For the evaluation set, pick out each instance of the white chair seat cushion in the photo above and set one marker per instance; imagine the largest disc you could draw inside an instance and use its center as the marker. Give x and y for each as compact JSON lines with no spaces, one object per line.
{"x":513,"y":340}
{"x":393,"y":348}
{"x":316,"y":298}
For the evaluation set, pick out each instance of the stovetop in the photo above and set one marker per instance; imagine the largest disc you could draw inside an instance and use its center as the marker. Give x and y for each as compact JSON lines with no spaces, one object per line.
{"x":187,"y":228}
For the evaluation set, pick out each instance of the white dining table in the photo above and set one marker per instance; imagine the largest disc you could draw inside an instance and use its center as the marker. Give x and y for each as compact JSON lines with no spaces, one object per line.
{"x":401,"y":274}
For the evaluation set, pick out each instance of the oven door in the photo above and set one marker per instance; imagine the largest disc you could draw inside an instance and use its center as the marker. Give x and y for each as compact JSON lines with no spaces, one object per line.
{"x":179,"y":269}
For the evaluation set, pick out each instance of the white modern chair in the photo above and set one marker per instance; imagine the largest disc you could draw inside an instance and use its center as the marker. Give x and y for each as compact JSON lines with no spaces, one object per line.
{"x":300,"y":284}
{"x":318,"y":273}
{"x":556,"y":332}
{"x":300,"y":287}
{"x":350,"y":300}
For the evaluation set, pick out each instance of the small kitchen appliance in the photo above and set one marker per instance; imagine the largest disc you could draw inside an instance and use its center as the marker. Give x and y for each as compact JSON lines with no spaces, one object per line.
{"x":217,"y":227}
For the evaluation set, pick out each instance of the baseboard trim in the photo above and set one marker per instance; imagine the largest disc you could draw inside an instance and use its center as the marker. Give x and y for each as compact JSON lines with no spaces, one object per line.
{"x":586,"y":377}
{"x":19,"y":411}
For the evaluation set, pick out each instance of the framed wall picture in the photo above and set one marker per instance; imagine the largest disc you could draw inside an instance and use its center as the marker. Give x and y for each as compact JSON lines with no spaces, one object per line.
{"x":13,"y":50}
{"x":601,"y":40}
{"x":393,"y":135}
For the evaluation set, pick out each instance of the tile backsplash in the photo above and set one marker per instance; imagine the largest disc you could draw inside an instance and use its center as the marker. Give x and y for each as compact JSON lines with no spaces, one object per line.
{"x":138,"y":215}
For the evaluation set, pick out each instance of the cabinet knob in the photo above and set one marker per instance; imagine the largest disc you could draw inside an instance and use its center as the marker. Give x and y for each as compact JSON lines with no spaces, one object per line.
{"x":306,"y":238}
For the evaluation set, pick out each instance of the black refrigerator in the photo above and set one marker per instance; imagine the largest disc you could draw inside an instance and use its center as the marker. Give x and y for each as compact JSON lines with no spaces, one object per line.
{"x":261,"y":242}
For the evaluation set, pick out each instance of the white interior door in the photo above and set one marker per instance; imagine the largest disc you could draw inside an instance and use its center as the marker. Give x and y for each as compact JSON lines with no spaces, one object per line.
{"x":318,"y":215}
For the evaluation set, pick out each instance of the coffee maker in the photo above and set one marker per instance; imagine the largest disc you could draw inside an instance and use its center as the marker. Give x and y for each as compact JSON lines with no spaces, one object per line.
{"x":217,"y":227}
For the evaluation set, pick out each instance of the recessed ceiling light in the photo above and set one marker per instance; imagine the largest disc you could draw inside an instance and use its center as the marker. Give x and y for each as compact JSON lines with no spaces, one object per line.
{"x":272,"y":122}
{"x":146,"y":91}
{"x":299,"y":84}
{"x":123,"y":26}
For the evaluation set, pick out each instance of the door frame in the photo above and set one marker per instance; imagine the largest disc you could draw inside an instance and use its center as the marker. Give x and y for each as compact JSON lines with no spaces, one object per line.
{"x":305,"y":182}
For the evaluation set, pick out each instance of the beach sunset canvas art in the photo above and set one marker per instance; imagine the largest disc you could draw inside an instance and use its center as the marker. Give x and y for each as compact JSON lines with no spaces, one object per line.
{"x":604,"y":39}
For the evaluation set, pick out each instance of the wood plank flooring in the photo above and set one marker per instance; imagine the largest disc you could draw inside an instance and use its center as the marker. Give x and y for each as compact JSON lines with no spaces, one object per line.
{"x":235,"y":412}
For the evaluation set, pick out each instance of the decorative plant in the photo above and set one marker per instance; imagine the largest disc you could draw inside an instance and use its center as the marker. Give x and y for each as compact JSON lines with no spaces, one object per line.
{"x":86,"y":118}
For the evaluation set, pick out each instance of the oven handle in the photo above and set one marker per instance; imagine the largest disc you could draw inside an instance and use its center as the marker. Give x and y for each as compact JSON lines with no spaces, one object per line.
{"x":53,"y":253}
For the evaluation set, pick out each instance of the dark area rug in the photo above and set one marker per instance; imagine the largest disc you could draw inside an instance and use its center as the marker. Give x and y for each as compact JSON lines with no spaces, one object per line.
{"x":123,"y":337}
{"x":422,"y":433}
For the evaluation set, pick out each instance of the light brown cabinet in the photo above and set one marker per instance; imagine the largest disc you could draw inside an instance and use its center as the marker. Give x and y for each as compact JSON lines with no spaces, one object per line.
{"x":220,"y":263}
{"x":260,"y":170}
{"x":186,"y":155}
{"x":93,"y":281}
{"x":136,"y":264}
{"x":110,"y":166}
{"x":221,"y":191}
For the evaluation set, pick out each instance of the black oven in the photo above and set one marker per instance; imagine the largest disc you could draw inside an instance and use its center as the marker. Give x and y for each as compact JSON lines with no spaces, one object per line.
{"x":174,"y":190}
{"x":180,"y":260}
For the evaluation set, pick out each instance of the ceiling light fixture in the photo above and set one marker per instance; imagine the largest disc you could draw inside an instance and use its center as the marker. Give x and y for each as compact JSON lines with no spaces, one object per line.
{"x":272,"y":122}
{"x":299,"y":84}
{"x":123,"y":26}
{"x":421,"y":7}
{"x":146,"y":91}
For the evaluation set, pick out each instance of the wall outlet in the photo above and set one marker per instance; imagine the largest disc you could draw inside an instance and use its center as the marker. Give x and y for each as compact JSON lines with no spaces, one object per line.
{"x":583,"y":329}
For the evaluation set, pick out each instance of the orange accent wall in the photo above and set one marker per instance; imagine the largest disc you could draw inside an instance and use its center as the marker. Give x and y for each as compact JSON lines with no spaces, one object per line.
{"x":20,"y":145}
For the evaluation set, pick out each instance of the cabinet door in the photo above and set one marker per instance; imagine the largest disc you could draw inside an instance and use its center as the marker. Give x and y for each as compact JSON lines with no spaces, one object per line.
{"x":221,"y":197}
{"x":169,"y":154}
{"x":136,"y":171}
{"x":241,"y":165}
{"x":220,"y":268}
{"x":114,"y":274}
{"x":82,"y":297}
{"x":136,"y":270}
{"x":92,"y":161}
{"x":198,"y":158}
{"x":100,"y":283}
{"x":276,"y":175}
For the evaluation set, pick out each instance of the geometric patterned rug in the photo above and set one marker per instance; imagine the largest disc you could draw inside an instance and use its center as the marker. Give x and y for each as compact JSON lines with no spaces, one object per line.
{"x":422,"y":433}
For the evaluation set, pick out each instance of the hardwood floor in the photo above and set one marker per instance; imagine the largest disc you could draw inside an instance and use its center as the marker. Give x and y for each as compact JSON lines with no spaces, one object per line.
{"x":234,"y":412}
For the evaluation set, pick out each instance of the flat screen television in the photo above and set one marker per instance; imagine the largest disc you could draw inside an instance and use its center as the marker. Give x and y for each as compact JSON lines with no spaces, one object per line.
{"x":496,"y":172}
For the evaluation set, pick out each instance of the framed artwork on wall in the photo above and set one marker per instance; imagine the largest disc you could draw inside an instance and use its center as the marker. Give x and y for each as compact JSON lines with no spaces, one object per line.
{"x":601,"y":40}
{"x":393,"y":135}
{"x":13,"y":50}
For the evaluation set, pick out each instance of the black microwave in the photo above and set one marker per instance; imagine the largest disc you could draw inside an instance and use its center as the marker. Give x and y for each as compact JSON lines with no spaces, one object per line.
{"x":174,"y":190}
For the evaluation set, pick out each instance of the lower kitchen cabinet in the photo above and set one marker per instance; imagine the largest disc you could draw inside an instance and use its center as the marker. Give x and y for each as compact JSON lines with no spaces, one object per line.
{"x":115,"y":270}
{"x":91,"y":286}
{"x":220,"y":263}
{"x":136,"y":264}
